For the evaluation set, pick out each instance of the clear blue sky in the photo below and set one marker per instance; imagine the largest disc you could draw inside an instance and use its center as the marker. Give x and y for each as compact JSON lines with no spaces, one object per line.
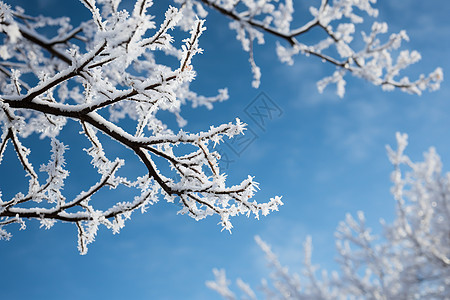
{"x":326,"y":156}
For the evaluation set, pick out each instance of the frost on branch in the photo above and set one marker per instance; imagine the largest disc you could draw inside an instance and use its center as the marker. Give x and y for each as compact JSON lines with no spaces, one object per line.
{"x":370,"y":56}
{"x":411,"y":260}
{"x":95,"y":75}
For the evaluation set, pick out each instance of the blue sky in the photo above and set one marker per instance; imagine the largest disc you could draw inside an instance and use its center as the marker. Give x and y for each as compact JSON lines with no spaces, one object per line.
{"x":325,"y":155}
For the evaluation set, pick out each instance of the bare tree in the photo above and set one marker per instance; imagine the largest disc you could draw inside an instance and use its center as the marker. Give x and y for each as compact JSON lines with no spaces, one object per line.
{"x":107,"y":69}
{"x":410,"y":261}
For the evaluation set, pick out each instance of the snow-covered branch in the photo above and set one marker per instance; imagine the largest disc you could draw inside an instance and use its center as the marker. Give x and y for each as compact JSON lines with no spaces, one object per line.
{"x":96,"y":74}
{"x":375,"y":61}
